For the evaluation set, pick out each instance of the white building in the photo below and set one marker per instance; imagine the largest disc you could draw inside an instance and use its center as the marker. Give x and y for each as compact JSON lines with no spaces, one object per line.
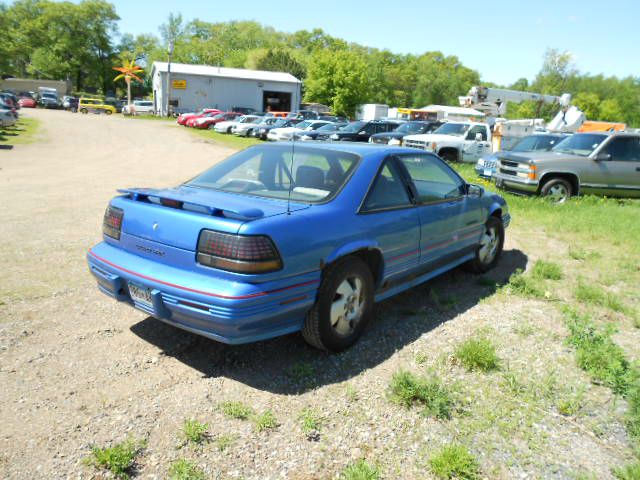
{"x":194,"y":87}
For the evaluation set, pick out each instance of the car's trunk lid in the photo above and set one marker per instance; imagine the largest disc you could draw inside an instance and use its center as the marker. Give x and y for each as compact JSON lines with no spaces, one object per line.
{"x":176,"y":216}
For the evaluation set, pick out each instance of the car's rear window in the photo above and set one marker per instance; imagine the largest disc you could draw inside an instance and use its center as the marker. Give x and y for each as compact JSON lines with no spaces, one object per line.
{"x":279,"y":171}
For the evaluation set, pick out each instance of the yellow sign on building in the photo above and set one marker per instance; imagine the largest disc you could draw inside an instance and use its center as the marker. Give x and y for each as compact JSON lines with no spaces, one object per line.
{"x":179,"y":84}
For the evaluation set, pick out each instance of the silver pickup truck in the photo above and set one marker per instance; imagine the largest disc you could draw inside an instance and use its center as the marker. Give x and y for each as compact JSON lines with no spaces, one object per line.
{"x":599,"y":163}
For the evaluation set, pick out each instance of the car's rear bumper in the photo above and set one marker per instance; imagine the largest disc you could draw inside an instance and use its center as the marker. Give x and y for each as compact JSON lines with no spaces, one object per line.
{"x":229,"y":312}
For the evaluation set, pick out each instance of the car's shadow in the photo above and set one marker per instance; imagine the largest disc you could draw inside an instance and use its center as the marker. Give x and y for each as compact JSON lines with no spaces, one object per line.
{"x":288,"y":365}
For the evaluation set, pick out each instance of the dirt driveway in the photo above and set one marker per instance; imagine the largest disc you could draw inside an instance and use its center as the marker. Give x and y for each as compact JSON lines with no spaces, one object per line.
{"x":77,"y":369}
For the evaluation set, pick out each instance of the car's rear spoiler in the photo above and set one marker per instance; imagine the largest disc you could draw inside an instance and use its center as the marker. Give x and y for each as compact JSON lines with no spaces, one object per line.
{"x":175,"y":199}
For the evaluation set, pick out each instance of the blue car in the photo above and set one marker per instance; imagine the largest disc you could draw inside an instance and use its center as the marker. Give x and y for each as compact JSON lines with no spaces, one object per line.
{"x":282,"y":238}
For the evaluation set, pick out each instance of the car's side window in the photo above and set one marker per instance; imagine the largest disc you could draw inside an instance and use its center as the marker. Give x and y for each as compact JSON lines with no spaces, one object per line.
{"x":624,"y":149}
{"x":434,"y":181}
{"x":388,"y":190}
{"x":477,"y":129}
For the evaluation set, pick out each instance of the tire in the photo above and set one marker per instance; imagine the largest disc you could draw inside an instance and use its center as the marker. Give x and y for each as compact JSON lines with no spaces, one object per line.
{"x":557,"y":190}
{"x":108,"y":112}
{"x":490,"y":249}
{"x":84,"y":110}
{"x":449,"y":156}
{"x":335,"y":331}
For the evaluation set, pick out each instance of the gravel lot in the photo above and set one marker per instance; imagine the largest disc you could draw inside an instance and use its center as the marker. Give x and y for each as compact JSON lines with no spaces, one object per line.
{"x":78,"y":369}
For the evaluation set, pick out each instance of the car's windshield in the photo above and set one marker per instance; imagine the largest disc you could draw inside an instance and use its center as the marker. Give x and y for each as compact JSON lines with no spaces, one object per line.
{"x":50,"y":96}
{"x":215,"y":115}
{"x":353,"y":127}
{"x":457,"y":129}
{"x":410,"y":127}
{"x":303,"y":125}
{"x":580,"y":144}
{"x":535,"y":142}
{"x":311,"y":175}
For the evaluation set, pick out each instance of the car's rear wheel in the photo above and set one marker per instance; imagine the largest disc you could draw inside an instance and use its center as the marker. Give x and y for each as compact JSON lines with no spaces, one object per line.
{"x":449,"y":155}
{"x":490,"y":249}
{"x":108,"y":112}
{"x":557,"y":190}
{"x":343,"y":307}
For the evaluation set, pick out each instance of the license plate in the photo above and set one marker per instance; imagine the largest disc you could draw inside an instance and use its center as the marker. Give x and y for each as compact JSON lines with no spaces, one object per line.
{"x":487,"y":172}
{"x":140,"y":294}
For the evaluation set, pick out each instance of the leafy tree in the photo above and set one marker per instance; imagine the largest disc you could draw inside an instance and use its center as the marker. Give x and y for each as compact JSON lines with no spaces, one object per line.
{"x":611,"y":111}
{"x":339,"y":79}
{"x":276,"y":60}
{"x":589,"y":103}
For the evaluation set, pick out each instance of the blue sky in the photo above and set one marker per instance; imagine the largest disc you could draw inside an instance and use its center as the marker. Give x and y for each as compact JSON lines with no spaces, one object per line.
{"x":503,"y":40}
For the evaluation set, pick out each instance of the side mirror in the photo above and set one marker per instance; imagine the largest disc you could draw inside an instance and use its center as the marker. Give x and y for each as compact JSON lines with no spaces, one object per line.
{"x":478,"y":137}
{"x":602,"y":157}
{"x":475,"y":191}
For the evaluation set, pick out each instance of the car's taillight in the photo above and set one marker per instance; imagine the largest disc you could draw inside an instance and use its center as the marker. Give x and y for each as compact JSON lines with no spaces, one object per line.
{"x":112,"y":223}
{"x":238,"y":253}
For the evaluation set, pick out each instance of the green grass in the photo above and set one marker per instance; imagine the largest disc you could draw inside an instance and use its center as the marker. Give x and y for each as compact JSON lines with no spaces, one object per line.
{"x":224,"y":441}
{"x":571,"y":404}
{"x":597,"y":354}
{"x":194,"y":431}
{"x":594,"y":295}
{"x":454,"y":462}
{"x":237,"y":410}
{"x":628,"y":472}
{"x":118,"y":459}
{"x":525,"y":286}
{"x":477,"y":354}
{"x":265,"y":421}
{"x":310,"y":420}
{"x":184,"y":470}
{"x":360,"y":470}
{"x":408,"y":390}
{"x":546,"y":270}
{"x":302,"y":372}
{"x":21,"y":133}
{"x":223,"y":139}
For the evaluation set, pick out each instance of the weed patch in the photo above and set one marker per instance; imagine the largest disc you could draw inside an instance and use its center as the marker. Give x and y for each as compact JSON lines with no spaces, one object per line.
{"x":597,"y":354}
{"x":360,"y":471}
{"x":454,"y":461}
{"x":628,"y":472}
{"x":194,"y":431}
{"x":525,"y":286}
{"x":225,"y":441}
{"x":237,"y":410}
{"x":119,"y":459}
{"x":594,"y":295}
{"x":310,"y":420}
{"x":477,"y":354}
{"x":546,"y":270}
{"x":184,"y":470}
{"x":408,"y":389}
{"x":265,"y":421}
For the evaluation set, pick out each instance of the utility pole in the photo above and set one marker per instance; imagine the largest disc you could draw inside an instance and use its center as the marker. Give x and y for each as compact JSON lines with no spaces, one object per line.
{"x":168,"y":92}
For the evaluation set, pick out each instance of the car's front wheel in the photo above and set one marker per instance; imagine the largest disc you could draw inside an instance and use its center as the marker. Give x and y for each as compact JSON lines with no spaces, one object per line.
{"x":490,"y":249}
{"x":84,"y":110}
{"x":343,"y":307}
{"x":558,"y":190}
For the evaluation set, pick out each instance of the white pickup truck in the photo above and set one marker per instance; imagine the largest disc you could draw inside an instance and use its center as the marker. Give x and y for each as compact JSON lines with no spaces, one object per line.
{"x":454,"y":141}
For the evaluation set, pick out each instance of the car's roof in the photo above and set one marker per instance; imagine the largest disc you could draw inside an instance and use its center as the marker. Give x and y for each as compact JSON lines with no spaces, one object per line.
{"x":359,"y":148}
{"x":609,"y":134}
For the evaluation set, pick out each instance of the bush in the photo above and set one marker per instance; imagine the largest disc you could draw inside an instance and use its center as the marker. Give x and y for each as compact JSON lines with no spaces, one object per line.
{"x":360,"y":471}
{"x":184,"y":470}
{"x":454,"y":461}
{"x":118,"y":459}
{"x":477,"y":354}
{"x":408,"y":389}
